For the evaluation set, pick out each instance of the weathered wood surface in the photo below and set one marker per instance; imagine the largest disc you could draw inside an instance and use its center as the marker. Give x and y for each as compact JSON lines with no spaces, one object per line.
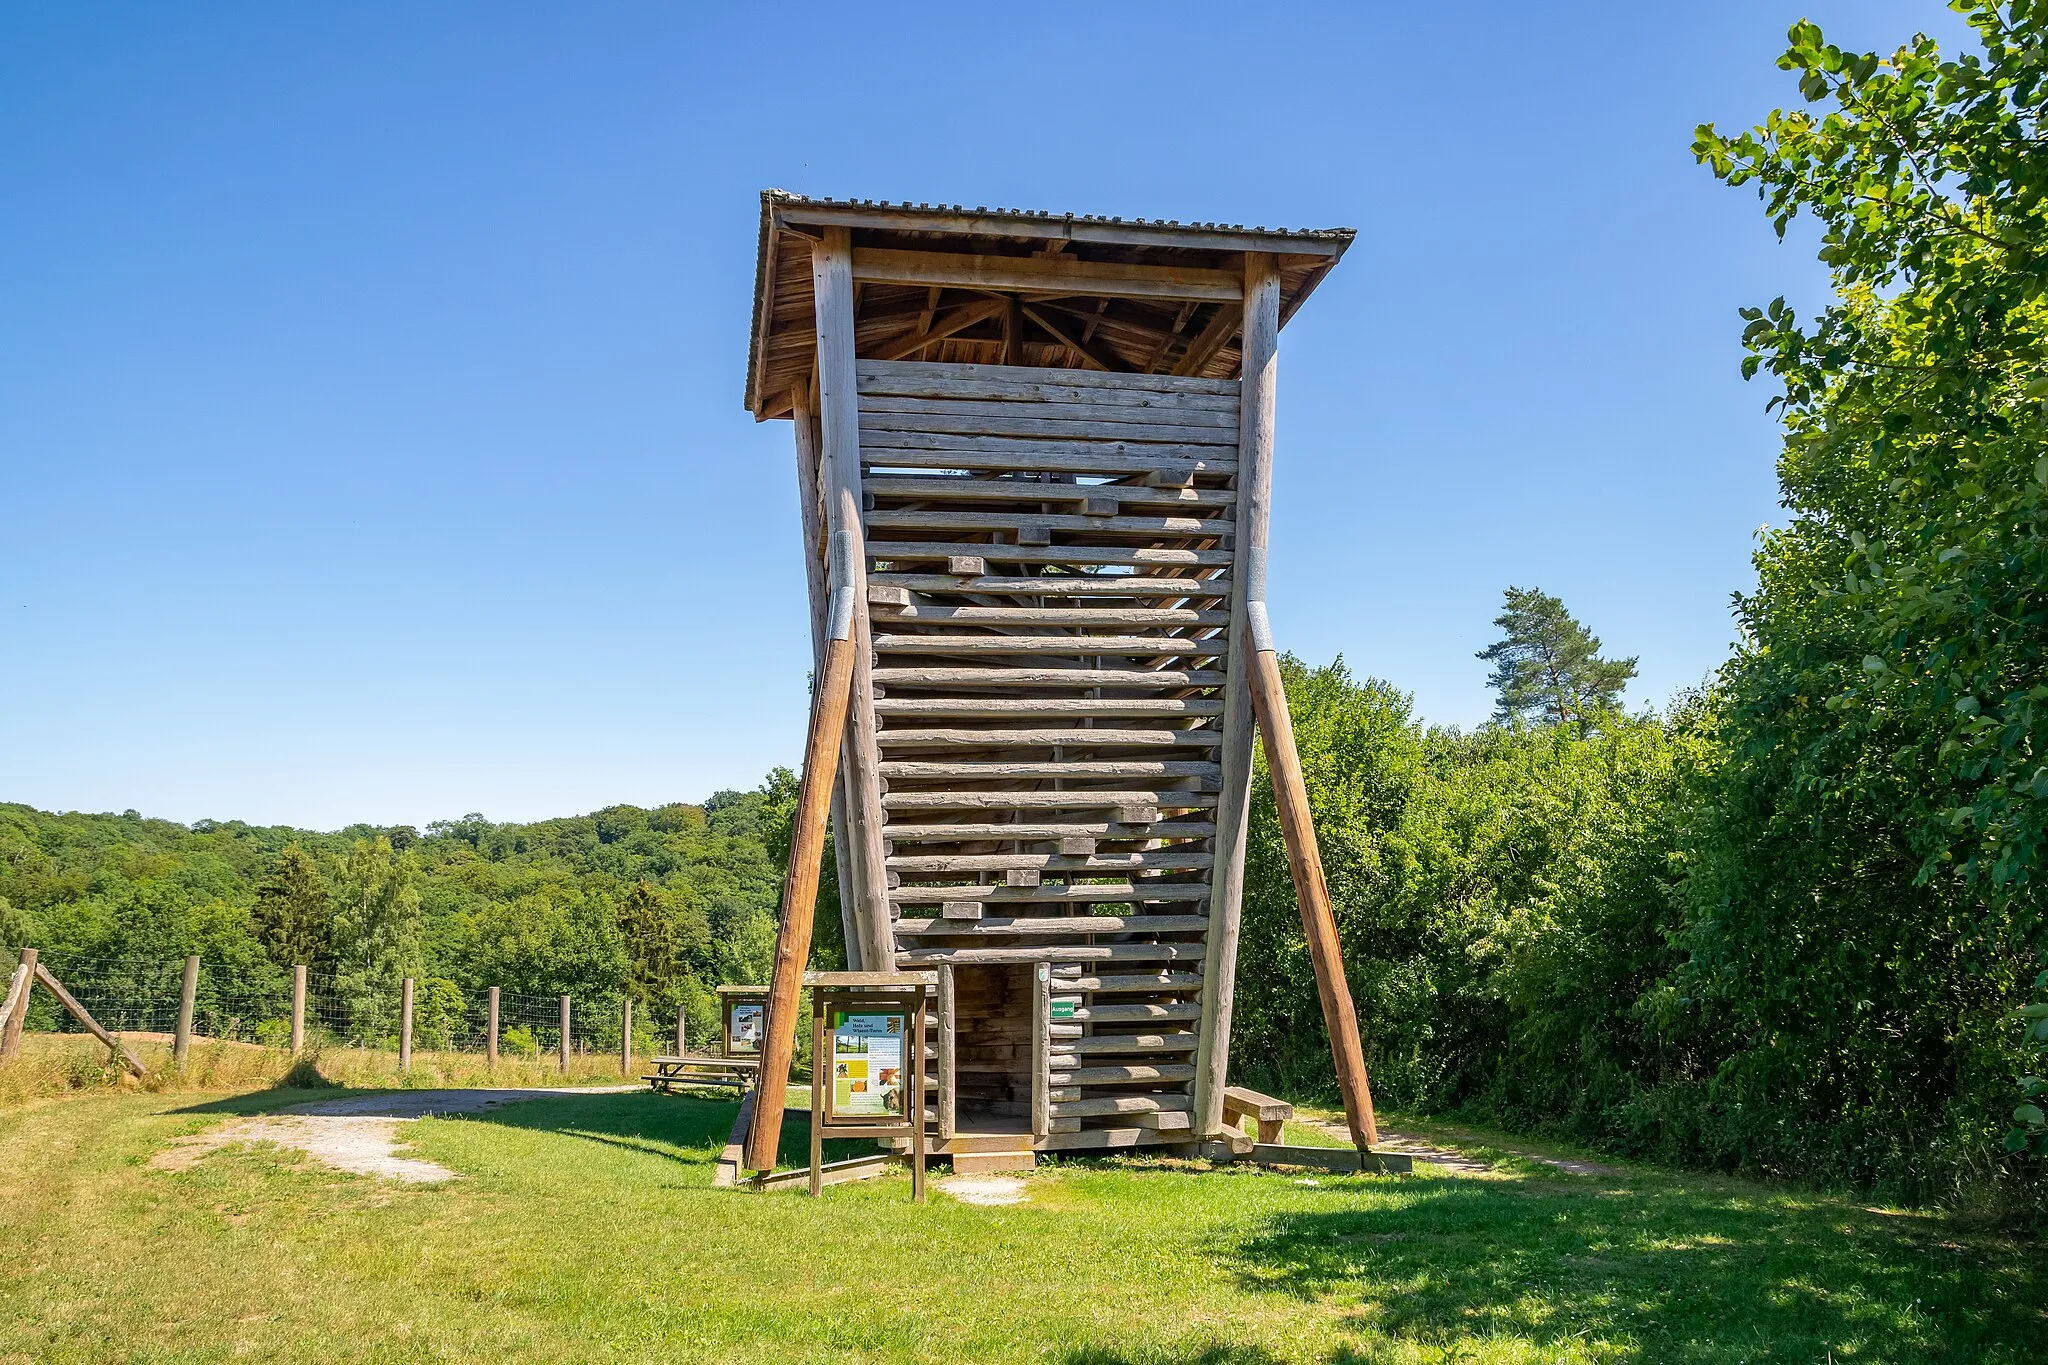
{"x":14,"y":1009}
{"x":1040,"y":925}
{"x":1044,"y":273}
{"x":78,"y":1012}
{"x":188,"y":998}
{"x":1333,"y":1159}
{"x":1091,"y":736}
{"x":800,"y":895}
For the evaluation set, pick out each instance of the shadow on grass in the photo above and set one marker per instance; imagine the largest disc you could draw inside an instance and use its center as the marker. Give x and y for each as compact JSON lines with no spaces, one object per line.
{"x":1654,"y":1272}
{"x":1220,"y":1354}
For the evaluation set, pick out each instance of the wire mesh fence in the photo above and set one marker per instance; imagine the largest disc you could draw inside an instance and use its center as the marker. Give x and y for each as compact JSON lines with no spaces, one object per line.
{"x":252,"y":1002}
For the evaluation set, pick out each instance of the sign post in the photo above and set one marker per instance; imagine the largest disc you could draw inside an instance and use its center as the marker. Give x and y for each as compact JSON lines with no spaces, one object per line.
{"x":867,"y":1062}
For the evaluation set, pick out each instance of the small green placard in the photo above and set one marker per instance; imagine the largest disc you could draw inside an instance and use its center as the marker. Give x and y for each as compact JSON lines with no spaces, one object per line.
{"x":1062,"y":1009}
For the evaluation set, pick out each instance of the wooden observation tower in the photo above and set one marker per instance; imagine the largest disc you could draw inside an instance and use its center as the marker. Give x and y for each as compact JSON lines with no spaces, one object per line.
{"x":1034,"y":458}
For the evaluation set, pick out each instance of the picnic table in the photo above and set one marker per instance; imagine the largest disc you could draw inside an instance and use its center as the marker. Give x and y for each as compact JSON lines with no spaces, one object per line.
{"x":669,"y":1072}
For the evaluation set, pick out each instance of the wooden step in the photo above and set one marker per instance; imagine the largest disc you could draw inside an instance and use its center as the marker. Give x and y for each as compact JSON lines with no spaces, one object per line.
{"x":1004,"y":708}
{"x":1083,"y":893}
{"x":991,"y":1163}
{"x":1077,"y":829}
{"x":1098,"y":618}
{"x":997,"y":770}
{"x":992,"y":675}
{"x":1044,"y":800}
{"x":966,"y":488}
{"x":1058,"y":924}
{"x":1169,"y":859}
{"x":914,"y":958}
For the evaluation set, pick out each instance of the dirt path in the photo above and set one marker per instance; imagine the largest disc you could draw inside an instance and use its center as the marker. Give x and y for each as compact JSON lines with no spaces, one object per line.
{"x":358,"y":1133}
{"x":1455,"y":1159}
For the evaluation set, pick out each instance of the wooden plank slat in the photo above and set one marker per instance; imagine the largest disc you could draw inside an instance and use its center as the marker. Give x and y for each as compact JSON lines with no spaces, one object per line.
{"x":989,"y":455}
{"x":1179,"y":859}
{"x":1113,"y":1043}
{"x":1057,"y":585}
{"x":1044,"y":800}
{"x":999,"y":708}
{"x":1054,"y":924}
{"x":916,"y":371}
{"x":1040,"y":738}
{"x":956,"y":488}
{"x":1059,"y":274}
{"x":1079,"y":952}
{"x":1124,"y":678}
{"x":1164,"y":413}
{"x":1086,"y":893}
{"x":955,"y":833}
{"x":1077,"y":646}
{"x":900,"y":550}
{"x":883,"y":429}
{"x":941,"y":519}
{"x":1127,"y":390}
{"x":1121,"y":1104}
{"x":1004,"y":769}
{"x":1101,"y":616}
{"x":1134,"y":1073}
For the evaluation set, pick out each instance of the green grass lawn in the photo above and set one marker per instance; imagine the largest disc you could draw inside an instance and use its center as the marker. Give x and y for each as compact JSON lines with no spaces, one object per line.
{"x":586,"y":1229}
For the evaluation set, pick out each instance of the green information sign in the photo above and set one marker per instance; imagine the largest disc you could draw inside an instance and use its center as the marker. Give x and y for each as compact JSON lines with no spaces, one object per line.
{"x":1062,"y":1009}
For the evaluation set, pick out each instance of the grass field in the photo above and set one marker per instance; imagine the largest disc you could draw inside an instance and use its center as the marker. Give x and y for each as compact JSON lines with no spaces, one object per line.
{"x":585,"y":1228}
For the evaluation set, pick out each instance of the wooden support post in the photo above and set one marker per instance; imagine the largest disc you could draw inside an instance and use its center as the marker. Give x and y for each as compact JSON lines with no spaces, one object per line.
{"x":626,"y":1036}
{"x":818,"y":1049}
{"x":948,"y":1101}
{"x":1041,"y":1051}
{"x":405,"y":1025}
{"x":17,"y":1002}
{"x":298,"y":1009}
{"x":92,"y":1025}
{"x":839,"y":463}
{"x":846,"y":849}
{"x":914,"y":1108}
{"x":800,"y":891}
{"x":1233,"y":804}
{"x":491,"y":1030}
{"x":188,"y":996}
{"x":565,"y":1035}
{"x":682,"y":1032}
{"x":1318,"y":922}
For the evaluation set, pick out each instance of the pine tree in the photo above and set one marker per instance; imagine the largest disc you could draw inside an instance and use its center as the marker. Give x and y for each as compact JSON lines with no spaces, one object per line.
{"x":1547,"y":668}
{"x":292,"y":911}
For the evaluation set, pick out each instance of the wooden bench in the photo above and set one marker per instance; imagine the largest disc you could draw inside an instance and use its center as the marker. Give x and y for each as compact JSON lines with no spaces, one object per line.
{"x":1244,"y":1107}
{"x":669,"y":1072}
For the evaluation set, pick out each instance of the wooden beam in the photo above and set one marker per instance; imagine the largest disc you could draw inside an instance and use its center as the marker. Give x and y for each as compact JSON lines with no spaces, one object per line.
{"x":958,"y":320}
{"x":838,"y":405}
{"x":1212,"y":338}
{"x":1088,"y":352}
{"x":15,"y":1007}
{"x":800,"y":898}
{"x":188,"y":992}
{"x":1233,"y":805}
{"x":846,"y":849}
{"x":1043,"y":273}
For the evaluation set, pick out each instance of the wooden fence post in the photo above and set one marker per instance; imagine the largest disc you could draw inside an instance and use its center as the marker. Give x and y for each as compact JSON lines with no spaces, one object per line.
{"x":491,"y":1032}
{"x":682,"y":1032}
{"x":405,"y":1025}
{"x":565,"y":1035}
{"x":10,"y":1037}
{"x":298,"y":1009}
{"x":626,"y":1036}
{"x":188,"y":995}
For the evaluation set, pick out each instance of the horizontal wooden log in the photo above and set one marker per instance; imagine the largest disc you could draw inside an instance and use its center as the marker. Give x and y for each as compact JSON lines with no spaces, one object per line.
{"x":1180,"y":1040}
{"x":1183,"y":858}
{"x":1332,"y":1159}
{"x":889,"y":551}
{"x":954,"y":452}
{"x":1043,"y":800}
{"x":1160,"y":413}
{"x":1090,"y":952}
{"x":1161,"y":738}
{"x":959,"y":833}
{"x":1079,"y":646}
{"x":895,"y":519}
{"x":1001,"y":708}
{"x":1083,"y":893}
{"x":1134,"y":1073}
{"x":1019,"y":384}
{"x":883,"y":429}
{"x":1121,"y":1104}
{"x":1076,"y":586}
{"x":1045,"y":274}
{"x":1163,"y":982}
{"x":1039,"y":925}
{"x":912,"y":770}
{"x":1238,"y":1100}
{"x":959,"y":488}
{"x":1097,"y":617}
{"x":1133,"y":1014}
{"x":1042,"y":675}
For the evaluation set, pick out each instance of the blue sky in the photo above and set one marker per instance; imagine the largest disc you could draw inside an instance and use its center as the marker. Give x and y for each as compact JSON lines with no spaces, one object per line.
{"x":371,"y":443}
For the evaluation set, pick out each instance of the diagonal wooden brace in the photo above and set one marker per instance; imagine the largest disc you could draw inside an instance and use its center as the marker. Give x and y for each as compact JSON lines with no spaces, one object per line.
{"x":800,"y":881}
{"x":1305,"y":862}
